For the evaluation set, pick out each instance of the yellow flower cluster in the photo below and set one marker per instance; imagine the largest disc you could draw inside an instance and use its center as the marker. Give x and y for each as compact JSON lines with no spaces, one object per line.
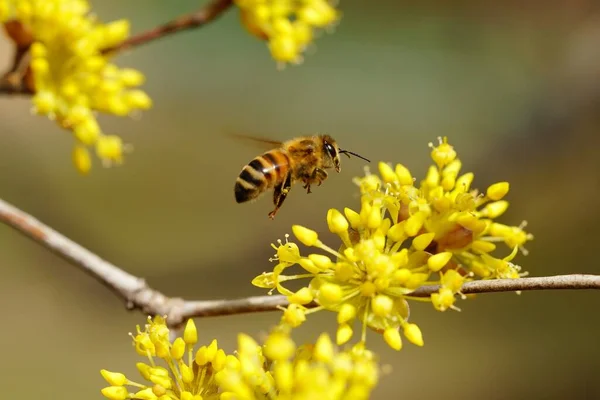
{"x":288,"y":25}
{"x":441,"y":232}
{"x":275,"y":370}
{"x":309,"y":372}
{"x":70,"y":73}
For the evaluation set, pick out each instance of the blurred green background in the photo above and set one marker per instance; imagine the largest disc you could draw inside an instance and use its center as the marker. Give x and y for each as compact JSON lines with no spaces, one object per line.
{"x":515,"y":86}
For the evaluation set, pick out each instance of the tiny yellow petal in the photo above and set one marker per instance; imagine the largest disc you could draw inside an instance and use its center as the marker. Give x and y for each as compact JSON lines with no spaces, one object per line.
{"x":323,"y":348}
{"x":219,"y":361}
{"x":186,"y":396}
{"x":145,"y":394}
{"x":344,"y":271}
{"x":396,"y":232}
{"x":190,"y":333}
{"x":284,"y":48}
{"x":115,"y":392}
{"x":387,"y":173}
{"x":368,"y":289}
{"x":336,"y":221}
{"x":464,"y":181}
{"x":400,"y":259}
{"x":309,"y":266}
{"x":498,"y":190}
{"x":308,"y":237}
{"x":110,"y":148}
{"x":131,"y":77}
{"x":302,"y":32}
{"x":404,"y":175}
{"x":382,"y":305}
{"x":202,"y":356}
{"x":346,"y":313}
{"x":353,"y":217}
{"x":145,"y":370}
{"x":495,"y":209}
{"x":374,"y":217}
{"x":415,"y":280}
{"x":159,"y":391}
{"x":138,"y":99}
{"x":44,"y":102}
{"x":330,"y":293}
{"x":413,"y":334}
{"x":392,"y":338}
{"x":421,"y":242}
{"x":81,"y":159}
{"x":114,"y":378}
{"x":282,"y":26}
{"x":279,"y":346}
{"x":321,"y":261}
{"x":178,"y":349}
{"x":344,"y":333}
{"x":302,"y":296}
{"x":402,"y":275}
{"x":284,"y":375}
{"x":413,"y":224}
{"x":187,"y":374}
{"x":433,"y":177}
{"x":483,"y":246}
{"x":115,"y":32}
{"x":162,"y":381}
{"x":438,"y":261}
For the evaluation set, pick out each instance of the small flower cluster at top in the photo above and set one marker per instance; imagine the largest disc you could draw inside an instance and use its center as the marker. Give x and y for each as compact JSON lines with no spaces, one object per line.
{"x":278,"y":369}
{"x":70,"y":72}
{"x":288,"y":25}
{"x":441,"y":232}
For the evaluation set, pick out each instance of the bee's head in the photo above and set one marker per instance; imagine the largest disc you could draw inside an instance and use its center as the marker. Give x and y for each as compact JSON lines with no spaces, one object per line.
{"x":332,"y":153}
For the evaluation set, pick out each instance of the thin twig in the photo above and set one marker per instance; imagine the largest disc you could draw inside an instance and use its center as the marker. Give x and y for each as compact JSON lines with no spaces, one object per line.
{"x":13,"y":81}
{"x":138,"y":295}
{"x":196,"y":19}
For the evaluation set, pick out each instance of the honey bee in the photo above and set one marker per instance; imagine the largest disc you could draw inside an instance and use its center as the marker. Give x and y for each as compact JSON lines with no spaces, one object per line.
{"x":302,"y":159}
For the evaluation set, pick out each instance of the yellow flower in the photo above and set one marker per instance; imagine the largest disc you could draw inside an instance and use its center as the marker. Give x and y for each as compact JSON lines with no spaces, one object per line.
{"x":403,"y":237}
{"x":70,"y":73}
{"x":288,"y":25}
{"x":278,"y":369}
{"x":185,"y":376}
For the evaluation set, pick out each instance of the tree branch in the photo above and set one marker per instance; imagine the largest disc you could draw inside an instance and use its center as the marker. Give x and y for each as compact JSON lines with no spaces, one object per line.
{"x":138,"y":295}
{"x":196,"y":19}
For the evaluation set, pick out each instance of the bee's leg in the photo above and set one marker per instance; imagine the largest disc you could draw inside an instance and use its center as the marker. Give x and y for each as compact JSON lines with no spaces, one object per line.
{"x":320,"y":175}
{"x":280,"y":193}
{"x":307,"y":187}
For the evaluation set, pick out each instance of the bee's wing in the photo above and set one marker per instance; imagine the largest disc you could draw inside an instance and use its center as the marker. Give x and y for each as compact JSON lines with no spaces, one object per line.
{"x":263,"y":142}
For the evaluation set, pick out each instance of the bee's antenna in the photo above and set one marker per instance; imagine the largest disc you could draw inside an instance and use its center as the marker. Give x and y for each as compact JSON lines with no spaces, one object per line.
{"x":347,"y":153}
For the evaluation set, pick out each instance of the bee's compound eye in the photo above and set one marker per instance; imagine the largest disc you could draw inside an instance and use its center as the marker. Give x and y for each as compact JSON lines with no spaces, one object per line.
{"x":329,"y":148}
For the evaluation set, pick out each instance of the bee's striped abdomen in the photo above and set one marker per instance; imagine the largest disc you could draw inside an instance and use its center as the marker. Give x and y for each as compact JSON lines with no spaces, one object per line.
{"x":262,"y":173}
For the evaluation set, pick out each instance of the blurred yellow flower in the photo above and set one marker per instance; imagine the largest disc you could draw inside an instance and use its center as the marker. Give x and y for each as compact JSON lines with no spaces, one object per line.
{"x":71,"y":75}
{"x":441,"y":232}
{"x":276,"y":370}
{"x":289,"y":26}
